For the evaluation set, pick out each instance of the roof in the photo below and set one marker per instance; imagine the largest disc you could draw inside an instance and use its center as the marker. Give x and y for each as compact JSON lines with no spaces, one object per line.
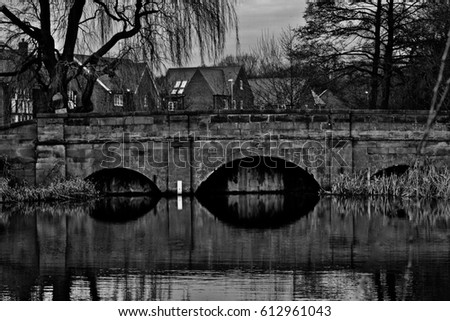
{"x":11,"y":61}
{"x":217,"y":77}
{"x":125,"y":74}
{"x":8,"y":62}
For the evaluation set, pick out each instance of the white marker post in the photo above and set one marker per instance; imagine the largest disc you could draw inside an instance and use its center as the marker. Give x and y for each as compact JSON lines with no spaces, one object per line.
{"x":179,"y":187}
{"x":179,"y":192}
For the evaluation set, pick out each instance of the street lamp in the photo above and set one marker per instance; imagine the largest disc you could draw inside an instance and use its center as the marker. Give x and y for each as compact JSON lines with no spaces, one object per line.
{"x":231,"y":90}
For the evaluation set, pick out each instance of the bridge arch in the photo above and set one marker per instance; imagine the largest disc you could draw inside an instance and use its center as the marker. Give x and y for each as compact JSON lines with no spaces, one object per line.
{"x":398,"y":170}
{"x":258,"y":174}
{"x":122,"y":181}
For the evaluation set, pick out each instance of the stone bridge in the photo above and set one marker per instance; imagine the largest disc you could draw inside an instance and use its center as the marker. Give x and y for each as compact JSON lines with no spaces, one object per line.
{"x":227,"y":151}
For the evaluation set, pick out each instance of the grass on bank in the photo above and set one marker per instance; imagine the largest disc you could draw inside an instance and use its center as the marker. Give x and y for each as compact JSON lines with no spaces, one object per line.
{"x":69,"y":189}
{"x":419,"y":181}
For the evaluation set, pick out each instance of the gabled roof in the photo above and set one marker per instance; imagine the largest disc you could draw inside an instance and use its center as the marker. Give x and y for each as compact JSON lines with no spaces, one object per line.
{"x":176,"y":74}
{"x":216,"y":80}
{"x":126,"y":77}
{"x":9,"y":60}
{"x":216,"y":77}
{"x":125,"y":74}
{"x":231,"y":72}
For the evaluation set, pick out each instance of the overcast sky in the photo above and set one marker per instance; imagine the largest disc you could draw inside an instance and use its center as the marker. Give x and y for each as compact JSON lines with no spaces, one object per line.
{"x":257,"y":16}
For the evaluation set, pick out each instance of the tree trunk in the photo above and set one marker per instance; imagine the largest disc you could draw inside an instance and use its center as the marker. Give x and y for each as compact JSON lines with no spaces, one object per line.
{"x":388,"y":60}
{"x":374,"y":83}
{"x":86,"y":103}
{"x":58,"y":87}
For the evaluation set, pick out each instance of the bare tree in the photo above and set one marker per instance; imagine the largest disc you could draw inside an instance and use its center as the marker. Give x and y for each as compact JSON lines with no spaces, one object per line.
{"x":367,"y":38}
{"x":249,"y":61}
{"x":280,"y":79}
{"x":440,"y":93}
{"x":158,"y":30}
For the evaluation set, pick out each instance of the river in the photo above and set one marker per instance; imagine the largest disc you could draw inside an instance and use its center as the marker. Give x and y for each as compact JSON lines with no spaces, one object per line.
{"x":237,"y":247}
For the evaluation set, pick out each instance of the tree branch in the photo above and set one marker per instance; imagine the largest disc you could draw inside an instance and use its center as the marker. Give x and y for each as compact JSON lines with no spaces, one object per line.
{"x":31,"y":31}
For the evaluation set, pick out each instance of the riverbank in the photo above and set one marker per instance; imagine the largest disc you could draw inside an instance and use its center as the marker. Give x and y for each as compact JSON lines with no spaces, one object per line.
{"x":70,"y":189}
{"x":418,"y":181}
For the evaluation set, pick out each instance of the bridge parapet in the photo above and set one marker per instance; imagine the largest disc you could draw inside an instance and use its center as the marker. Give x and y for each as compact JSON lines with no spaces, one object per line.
{"x":323,"y":142}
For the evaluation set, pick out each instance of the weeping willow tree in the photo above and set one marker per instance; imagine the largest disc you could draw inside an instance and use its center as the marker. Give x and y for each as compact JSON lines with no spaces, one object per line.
{"x":155,"y":31}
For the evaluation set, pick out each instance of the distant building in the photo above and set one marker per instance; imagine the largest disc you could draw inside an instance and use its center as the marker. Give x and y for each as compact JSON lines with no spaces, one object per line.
{"x":16,"y":91}
{"x":128,"y":86}
{"x":207,"y":88}
{"x":327,"y":99}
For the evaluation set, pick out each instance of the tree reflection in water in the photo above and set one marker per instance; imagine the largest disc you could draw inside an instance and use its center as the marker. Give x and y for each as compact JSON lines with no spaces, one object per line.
{"x":121,"y":208}
{"x":255,"y":247}
{"x":259,"y":210}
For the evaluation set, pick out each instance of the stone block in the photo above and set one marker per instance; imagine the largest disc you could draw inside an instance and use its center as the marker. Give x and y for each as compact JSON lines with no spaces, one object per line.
{"x":51,"y":133}
{"x":259,"y":118}
{"x":53,"y":152}
{"x":43,"y":122}
{"x":178,"y":119}
{"x":78,"y":122}
{"x":110,"y":121}
{"x":138,"y":120}
{"x":239,"y":118}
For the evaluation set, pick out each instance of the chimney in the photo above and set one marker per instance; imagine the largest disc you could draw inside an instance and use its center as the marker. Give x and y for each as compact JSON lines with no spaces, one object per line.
{"x":23,"y":48}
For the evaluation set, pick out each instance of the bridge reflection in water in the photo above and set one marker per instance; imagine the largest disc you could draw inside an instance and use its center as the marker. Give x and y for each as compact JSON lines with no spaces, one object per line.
{"x":339,"y":249}
{"x":264,"y":211}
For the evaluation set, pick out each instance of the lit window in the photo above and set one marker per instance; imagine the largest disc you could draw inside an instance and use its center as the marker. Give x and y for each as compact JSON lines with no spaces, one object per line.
{"x":179,"y":87}
{"x":241,"y":104}
{"x":234,"y":104}
{"x":145,"y":102}
{"x":21,"y":106}
{"x":72,"y":97}
{"x":182,"y":87}
{"x":175,"y":88}
{"x":241,"y":85}
{"x":118,"y":100}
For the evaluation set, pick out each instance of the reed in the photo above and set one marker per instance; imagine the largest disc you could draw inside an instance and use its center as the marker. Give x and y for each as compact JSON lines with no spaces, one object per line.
{"x":69,"y":189}
{"x":424,"y":181}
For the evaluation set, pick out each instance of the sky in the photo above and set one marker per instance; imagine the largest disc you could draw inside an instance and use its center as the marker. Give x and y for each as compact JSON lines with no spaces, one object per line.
{"x":272,"y":16}
{"x":258,"y":16}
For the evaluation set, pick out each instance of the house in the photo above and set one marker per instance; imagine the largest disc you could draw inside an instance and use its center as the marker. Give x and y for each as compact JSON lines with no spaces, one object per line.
{"x":16,"y":91}
{"x":128,"y":86}
{"x":207,"y":88}
{"x":125,"y":86}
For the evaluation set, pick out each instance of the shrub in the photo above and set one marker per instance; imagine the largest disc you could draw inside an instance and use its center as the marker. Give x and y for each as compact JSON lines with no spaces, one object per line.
{"x":419,"y":181}
{"x":70,"y":189}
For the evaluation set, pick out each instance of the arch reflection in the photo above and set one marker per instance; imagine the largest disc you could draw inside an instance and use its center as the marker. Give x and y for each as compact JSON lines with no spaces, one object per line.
{"x":263,"y":211}
{"x":120,"y":209}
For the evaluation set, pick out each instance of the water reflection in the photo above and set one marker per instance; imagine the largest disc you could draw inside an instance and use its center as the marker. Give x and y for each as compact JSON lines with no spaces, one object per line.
{"x":259,"y":210}
{"x":344,"y":249}
{"x":122,"y":208}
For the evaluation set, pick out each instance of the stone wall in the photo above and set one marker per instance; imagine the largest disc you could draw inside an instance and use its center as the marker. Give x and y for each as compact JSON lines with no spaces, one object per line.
{"x":4,"y":120}
{"x":173,"y":147}
{"x":17,"y":151}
